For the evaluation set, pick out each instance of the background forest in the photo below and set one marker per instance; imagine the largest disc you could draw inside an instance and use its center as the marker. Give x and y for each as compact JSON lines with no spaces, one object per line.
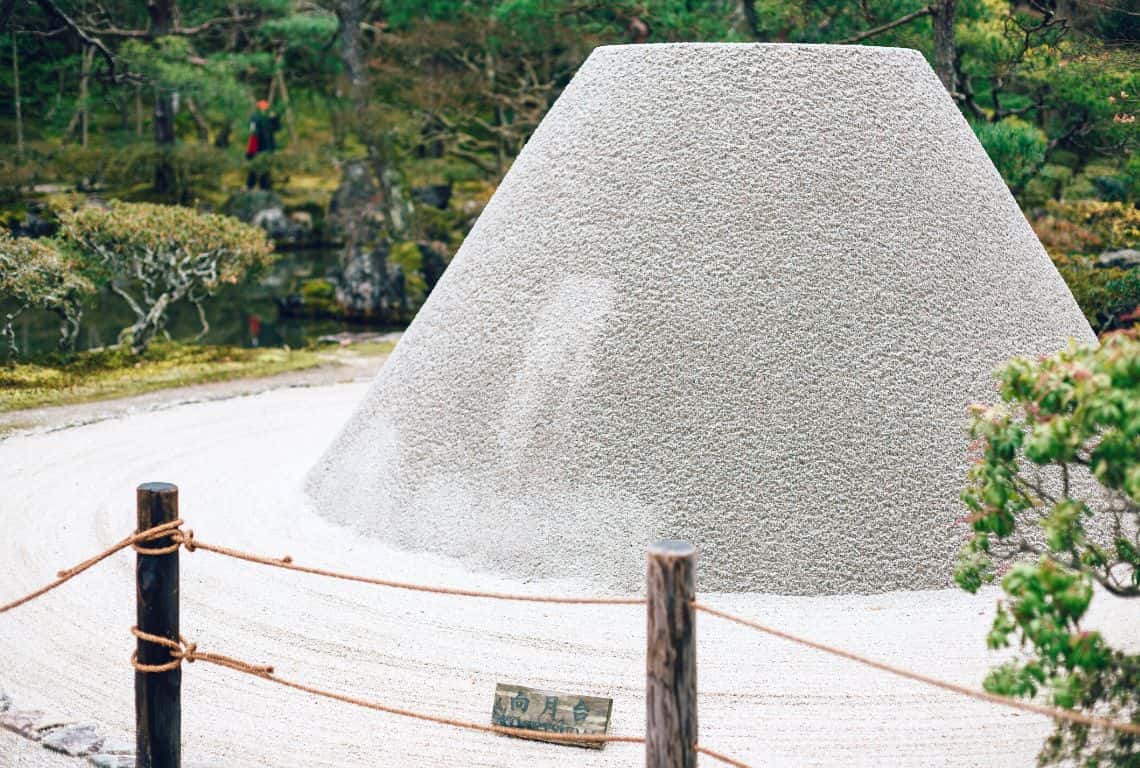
{"x":397,"y":120}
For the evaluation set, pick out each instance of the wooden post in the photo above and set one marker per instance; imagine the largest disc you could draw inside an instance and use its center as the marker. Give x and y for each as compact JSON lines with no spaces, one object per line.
{"x":671,"y":658}
{"x":158,"y":695}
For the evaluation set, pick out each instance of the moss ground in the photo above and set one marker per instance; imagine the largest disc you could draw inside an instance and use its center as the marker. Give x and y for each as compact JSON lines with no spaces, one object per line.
{"x":112,"y":373}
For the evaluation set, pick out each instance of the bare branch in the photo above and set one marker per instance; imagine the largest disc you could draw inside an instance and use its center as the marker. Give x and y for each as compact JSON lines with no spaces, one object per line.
{"x":926,"y":11}
{"x":53,"y":10}
{"x":175,"y":31}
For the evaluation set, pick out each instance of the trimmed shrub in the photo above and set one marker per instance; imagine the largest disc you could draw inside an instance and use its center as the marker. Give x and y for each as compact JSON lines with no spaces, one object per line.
{"x":156,"y":255}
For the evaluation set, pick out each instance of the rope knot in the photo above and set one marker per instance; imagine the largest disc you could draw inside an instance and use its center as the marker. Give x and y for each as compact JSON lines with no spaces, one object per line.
{"x":179,"y":650}
{"x":169,"y":530}
{"x":186,"y":539}
{"x":182,"y":650}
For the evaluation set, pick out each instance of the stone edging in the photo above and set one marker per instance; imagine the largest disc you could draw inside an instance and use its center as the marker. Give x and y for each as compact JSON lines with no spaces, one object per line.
{"x":68,"y":737}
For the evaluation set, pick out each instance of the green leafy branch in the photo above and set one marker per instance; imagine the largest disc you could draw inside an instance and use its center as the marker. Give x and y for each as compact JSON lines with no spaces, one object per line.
{"x":1053,"y":495}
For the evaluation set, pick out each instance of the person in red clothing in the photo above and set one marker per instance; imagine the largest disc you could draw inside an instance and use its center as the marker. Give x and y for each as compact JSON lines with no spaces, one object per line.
{"x":254,"y":330}
{"x":263,"y":125}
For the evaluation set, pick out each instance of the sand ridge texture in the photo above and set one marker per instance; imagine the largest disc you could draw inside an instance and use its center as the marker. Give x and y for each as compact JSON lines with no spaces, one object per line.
{"x":735,"y":294}
{"x":239,"y":465}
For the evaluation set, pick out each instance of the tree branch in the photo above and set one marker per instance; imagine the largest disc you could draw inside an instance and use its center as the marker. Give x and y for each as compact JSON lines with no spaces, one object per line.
{"x":174,"y":31}
{"x":1078,"y":128}
{"x":928,"y":10}
{"x":53,"y":10}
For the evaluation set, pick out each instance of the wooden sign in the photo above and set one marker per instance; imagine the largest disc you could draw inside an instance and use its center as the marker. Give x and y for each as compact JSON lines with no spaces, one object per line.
{"x":549,"y":713}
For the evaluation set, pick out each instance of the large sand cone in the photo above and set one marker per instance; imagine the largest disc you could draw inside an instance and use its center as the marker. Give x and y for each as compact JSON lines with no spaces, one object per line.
{"x":737,"y":294}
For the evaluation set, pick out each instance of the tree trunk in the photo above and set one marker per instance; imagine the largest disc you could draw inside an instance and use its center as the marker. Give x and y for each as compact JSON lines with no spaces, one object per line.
{"x":201,"y":319}
{"x":397,"y":202}
{"x":222,"y":137}
{"x":350,"y":14}
{"x":57,"y":102}
{"x":84,"y":95}
{"x":162,"y":13}
{"x":279,"y":78}
{"x":491,"y":73}
{"x":748,"y":11}
{"x":1068,"y":9}
{"x":138,"y":111}
{"x":8,"y":333}
{"x":945,"y":50}
{"x":199,"y":121}
{"x":163,"y":116}
{"x":124,"y":109}
{"x":16,"y":98}
{"x":164,"y":177}
{"x":150,"y":324}
{"x":70,"y":319}
{"x":79,"y":116}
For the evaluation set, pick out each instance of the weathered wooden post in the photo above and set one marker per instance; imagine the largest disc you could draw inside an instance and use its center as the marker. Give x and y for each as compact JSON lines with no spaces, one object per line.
{"x":671,"y":658}
{"x":158,"y":695}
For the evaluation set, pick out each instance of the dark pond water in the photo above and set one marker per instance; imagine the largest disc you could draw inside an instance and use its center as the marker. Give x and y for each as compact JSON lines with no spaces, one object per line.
{"x":229,"y":312}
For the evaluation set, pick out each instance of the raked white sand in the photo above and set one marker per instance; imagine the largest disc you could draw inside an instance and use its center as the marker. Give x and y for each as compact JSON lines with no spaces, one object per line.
{"x":240,"y":465}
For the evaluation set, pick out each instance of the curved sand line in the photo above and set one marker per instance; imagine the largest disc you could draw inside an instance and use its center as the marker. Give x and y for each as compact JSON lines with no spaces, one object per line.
{"x":240,"y":465}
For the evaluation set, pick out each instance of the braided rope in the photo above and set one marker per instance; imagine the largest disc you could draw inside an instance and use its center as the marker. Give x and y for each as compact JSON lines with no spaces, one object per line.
{"x":186,"y":539}
{"x":287,"y":563}
{"x":1066,"y":715}
{"x":181,"y":651}
{"x":64,"y":576}
{"x":721,"y":757}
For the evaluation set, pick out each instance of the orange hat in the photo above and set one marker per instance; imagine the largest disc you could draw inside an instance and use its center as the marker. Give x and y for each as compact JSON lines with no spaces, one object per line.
{"x":263,"y":104}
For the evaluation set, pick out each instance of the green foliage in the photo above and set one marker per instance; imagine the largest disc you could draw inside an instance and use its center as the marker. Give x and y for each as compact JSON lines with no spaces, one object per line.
{"x":16,"y":177}
{"x":156,"y":255}
{"x":1075,"y":234}
{"x":1046,"y":186}
{"x":300,"y":29}
{"x":1016,"y":148}
{"x":298,"y":32}
{"x":197,"y":168}
{"x":211,"y":82}
{"x":408,"y":258}
{"x":1131,"y":176}
{"x":1106,"y":295}
{"x":1114,"y":225}
{"x":37,"y":274}
{"x":449,"y":91}
{"x":1094,"y":88}
{"x":318,"y":298}
{"x":1063,"y":421}
{"x":477,"y":77}
{"x":469,"y":80}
